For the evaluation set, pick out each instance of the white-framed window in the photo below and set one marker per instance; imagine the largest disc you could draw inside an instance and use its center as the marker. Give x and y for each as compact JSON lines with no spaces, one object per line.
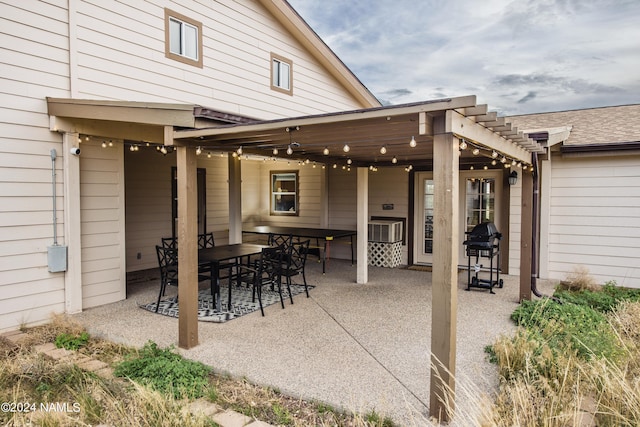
{"x":183,"y":38}
{"x":281,"y":74}
{"x":284,"y":193}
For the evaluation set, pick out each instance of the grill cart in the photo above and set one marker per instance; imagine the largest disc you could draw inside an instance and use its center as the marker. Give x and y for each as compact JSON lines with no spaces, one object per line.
{"x":483,"y":242}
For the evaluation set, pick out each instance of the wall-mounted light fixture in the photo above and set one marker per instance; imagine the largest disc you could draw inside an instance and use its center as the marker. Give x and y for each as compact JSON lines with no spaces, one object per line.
{"x":513,"y":178}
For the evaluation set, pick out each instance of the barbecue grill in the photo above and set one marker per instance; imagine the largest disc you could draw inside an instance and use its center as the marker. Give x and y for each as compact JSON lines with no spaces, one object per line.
{"x":483,"y":242}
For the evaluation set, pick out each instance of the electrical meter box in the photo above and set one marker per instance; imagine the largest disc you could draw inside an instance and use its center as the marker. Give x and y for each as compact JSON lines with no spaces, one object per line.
{"x":57,"y":258}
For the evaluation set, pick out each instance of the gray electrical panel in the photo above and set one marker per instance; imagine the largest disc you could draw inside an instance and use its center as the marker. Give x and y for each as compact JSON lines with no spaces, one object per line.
{"x":57,"y":258}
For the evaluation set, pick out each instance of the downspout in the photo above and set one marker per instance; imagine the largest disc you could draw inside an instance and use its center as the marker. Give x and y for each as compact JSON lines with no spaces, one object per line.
{"x":534,"y":229}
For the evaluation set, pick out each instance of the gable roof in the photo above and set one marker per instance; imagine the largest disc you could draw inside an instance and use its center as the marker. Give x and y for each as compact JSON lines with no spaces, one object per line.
{"x":301,"y":31}
{"x":588,"y":127}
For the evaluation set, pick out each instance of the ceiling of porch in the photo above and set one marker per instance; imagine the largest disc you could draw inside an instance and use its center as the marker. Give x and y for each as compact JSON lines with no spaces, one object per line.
{"x":382,"y":136}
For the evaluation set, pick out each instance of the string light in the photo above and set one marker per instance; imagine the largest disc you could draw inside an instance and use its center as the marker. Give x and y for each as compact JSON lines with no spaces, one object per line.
{"x":289,"y":150}
{"x":325,"y":151}
{"x":413,"y":142}
{"x":275,"y":151}
{"x":463,"y":145}
{"x":346,"y":148}
{"x":394,"y":160}
{"x":198,"y":151}
{"x":383,"y":150}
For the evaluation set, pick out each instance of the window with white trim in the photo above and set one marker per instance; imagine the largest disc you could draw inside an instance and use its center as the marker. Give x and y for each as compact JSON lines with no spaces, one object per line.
{"x":281,"y":74}
{"x":183,"y":38}
{"x":284,"y":193}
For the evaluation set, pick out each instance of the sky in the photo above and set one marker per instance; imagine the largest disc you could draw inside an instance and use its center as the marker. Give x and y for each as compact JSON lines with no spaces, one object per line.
{"x":517,"y":56}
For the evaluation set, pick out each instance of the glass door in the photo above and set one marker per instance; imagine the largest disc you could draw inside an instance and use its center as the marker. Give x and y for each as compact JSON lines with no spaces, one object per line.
{"x":423,"y":250}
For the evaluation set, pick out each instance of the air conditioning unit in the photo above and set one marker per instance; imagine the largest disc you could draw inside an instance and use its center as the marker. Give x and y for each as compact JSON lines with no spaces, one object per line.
{"x":385,"y":231}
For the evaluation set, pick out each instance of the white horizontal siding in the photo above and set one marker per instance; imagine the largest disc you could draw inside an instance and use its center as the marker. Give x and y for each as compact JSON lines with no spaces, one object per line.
{"x":34,"y":42}
{"x":102,"y":224}
{"x":595,"y":218}
{"x":121,"y":56}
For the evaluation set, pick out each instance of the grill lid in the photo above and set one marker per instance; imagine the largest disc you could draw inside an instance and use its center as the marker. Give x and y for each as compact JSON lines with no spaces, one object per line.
{"x":483,"y":234}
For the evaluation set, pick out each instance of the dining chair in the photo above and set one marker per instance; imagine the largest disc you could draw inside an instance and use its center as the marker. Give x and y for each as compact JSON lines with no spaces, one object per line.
{"x":265,"y":271}
{"x":206,"y":240}
{"x":284,"y":240}
{"x":168,"y":264}
{"x":295,"y":261}
{"x":170,"y":242}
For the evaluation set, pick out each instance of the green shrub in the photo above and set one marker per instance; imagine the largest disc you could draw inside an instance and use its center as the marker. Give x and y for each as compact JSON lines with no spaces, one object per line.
{"x":70,"y":341}
{"x":568,"y":326}
{"x":166,"y":371}
{"x":604,"y":300}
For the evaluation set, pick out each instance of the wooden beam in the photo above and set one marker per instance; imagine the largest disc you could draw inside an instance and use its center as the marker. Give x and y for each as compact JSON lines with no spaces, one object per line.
{"x":187,"y":247}
{"x":526,"y":235}
{"x":491,"y":116}
{"x":463,"y":127}
{"x":445,"y":272}
{"x":362,"y":216}
{"x":478,"y":110}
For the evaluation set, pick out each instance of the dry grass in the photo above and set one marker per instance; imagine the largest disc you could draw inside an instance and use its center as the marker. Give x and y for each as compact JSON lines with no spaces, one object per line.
{"x":541,"y":387}
{"x":579,"y":279}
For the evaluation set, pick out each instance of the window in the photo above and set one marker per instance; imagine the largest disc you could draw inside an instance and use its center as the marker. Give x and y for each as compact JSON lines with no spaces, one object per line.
{"x":281,"y":76}
{"x":183,"y":38}
{"x":284,"y":193}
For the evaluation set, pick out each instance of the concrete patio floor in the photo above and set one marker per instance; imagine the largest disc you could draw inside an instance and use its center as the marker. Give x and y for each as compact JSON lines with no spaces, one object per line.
{"x":354,"y":347}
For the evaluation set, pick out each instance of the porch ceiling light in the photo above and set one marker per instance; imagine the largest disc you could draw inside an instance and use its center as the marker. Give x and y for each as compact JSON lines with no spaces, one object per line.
{"x":413,"y":142}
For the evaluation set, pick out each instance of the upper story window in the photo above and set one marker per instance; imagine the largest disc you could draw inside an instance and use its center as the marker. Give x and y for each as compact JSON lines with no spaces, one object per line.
{"x":281,"y":74}
{"x":183,"y":38}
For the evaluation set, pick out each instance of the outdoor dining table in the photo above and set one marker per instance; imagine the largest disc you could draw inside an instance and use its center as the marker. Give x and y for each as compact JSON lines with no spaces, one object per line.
{"x":326,"y":234}
{"x":218,"y":254}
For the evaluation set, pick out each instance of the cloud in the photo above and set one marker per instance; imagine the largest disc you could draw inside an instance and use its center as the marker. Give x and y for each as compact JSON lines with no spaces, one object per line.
{"x":518,"y":56}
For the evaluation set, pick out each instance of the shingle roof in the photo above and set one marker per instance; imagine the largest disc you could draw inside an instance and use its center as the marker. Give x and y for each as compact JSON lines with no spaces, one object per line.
{"x":605,"y":125}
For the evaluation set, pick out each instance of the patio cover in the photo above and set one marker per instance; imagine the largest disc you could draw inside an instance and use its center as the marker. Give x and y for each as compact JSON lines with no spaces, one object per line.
{"x":438,"y":127}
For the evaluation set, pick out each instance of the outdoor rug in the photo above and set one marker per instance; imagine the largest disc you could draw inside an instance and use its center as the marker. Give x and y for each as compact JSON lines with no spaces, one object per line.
{"x":241,"y":303}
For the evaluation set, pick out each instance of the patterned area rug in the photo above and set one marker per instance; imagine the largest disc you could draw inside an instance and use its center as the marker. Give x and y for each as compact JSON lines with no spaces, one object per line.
{"x":241,"y":303}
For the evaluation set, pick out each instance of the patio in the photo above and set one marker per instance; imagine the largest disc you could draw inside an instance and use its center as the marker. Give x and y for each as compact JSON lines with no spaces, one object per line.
{"x":360,"y":347}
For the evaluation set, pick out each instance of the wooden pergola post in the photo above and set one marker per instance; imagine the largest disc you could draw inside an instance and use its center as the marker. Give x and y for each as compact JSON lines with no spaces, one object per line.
{"x":363,"y":225}
{"x":235,"y":200}
{"x":187,"y":247}
{"x":445,"y":271}
{"x":526,"y":235}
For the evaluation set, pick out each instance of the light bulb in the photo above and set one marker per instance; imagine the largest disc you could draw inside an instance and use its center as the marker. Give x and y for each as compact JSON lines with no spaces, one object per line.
{"x":325,"y":151}
{"x":494,"y":154}
{"x":394,"y":160}
{"x":413,"y":142}
{"x":346,"y":148}
{"x":463,"y":145}
{"x":383,"y":150}
{"x":198,"y":151}
{"x":275,"y":151}
{"x":476,"y":151}
{"x":289,"y":150}
{"x":239,"y":150}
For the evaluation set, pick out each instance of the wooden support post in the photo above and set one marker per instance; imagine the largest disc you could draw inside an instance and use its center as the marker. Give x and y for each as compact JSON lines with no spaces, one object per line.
{"x":363,"y":225}
{"x":235,"y":200}
{"x":526,"y":235}
{"x":187,"y":247}
{"x":72,"y":221}
{"x":445,"y":274}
